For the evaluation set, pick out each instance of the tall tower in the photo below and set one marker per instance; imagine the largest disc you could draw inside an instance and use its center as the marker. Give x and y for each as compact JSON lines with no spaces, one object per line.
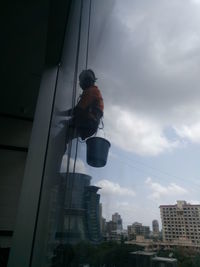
{"x":92,"y":214}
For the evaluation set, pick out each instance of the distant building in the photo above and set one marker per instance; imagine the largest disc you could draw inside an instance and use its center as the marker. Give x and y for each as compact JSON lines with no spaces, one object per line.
{"x":116,"y":218}
{"x":155,"y":228}
{"x":110,"y":227}
{"x":137,"y":229}
{"x":181,"y":222}
{"x":110,"y":230}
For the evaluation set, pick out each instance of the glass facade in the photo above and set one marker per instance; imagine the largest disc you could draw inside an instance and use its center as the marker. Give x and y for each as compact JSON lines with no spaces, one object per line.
{"x":66,"y":204}
{"x":68,"y":212}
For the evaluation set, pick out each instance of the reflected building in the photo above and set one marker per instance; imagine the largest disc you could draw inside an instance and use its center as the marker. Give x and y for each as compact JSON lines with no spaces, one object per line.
{"x":91,"y":201}
{"x":76,"y":210}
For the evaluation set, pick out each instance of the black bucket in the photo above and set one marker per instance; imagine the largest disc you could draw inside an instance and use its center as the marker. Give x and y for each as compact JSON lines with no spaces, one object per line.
{"x":97,"y":151}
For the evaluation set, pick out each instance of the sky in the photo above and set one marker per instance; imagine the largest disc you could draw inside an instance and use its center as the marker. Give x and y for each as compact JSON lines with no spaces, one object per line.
{"x":146,"y":55}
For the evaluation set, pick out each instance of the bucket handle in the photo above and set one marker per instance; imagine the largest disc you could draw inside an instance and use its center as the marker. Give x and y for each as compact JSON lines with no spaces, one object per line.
{"x":101,"y":128}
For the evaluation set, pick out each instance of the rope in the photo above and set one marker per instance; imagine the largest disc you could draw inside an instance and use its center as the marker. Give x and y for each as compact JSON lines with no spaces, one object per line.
{"x":88,"y":36}
{"x":75,"y":78}
{"x":74,"y":100}
{"x":76,"y":153}
{"x":67,"y":179}
{"x":86,"y":65}
{"x":69,"y":150}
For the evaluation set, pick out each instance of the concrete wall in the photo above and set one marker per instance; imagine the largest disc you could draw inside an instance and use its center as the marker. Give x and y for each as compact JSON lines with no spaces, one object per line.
{"x":14,"y":141}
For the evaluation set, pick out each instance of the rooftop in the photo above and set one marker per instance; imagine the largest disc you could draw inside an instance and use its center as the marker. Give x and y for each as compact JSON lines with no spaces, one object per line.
{"x":164,"y":259}
{"x":180,"y":203}
{"x":143,"y":253}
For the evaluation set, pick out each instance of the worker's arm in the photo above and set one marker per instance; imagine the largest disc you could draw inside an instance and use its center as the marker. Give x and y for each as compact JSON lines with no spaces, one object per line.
{"x":65,"y":113}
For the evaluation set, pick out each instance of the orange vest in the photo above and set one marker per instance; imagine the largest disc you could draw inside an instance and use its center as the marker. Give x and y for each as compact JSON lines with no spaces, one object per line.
{"x":91,"y":97}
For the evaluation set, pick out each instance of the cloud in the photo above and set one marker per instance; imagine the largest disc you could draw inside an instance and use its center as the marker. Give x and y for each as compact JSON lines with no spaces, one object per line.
{"x":80,"y":166}
{"x":135,"y":133}
{"x":159,"y":190}
{"x":147,"y":61}
{"x":116,"y":198}
{"x":124,"y":208}
{"x":129,"y":210}
{"x":189,"y":132}
{"x":154,"y":63}
{"x":196,"y":2}
{"x":114,"y":189}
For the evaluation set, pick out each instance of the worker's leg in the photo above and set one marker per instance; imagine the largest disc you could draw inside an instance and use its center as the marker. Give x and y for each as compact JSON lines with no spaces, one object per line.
{"x":88,"y":129}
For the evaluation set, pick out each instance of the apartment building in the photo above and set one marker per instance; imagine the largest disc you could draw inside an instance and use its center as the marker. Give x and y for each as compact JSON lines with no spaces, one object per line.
{"x":181,"y":222}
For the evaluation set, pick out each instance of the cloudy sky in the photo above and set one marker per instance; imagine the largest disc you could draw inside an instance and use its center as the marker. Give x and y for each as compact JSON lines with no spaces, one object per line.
{"x":146,"y":55}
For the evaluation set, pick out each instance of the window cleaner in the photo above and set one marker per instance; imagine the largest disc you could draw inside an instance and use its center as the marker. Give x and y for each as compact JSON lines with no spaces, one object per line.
{"x":86,"y":115}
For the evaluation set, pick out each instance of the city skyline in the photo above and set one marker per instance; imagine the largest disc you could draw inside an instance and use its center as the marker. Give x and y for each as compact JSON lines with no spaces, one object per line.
{"x":106,"y":186}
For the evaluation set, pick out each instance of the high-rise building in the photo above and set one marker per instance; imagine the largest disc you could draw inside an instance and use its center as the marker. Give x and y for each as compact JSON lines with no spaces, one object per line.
{"x":91,"y":200}
{"x":181,"y":222}
{"x":110,"y":230}
{"x":155,"y":227}
{"x":116,"y":218}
